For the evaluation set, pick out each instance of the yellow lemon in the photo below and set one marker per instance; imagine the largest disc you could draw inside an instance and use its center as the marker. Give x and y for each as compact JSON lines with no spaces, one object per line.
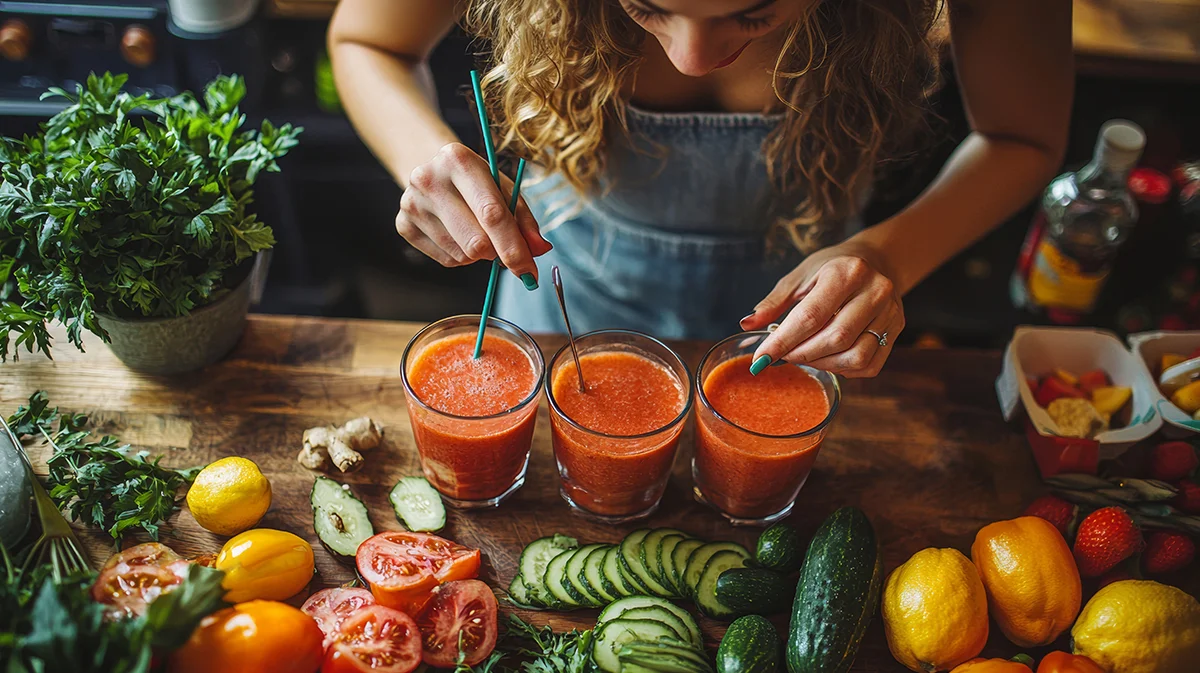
{"x":1138,"y":626}
{"x":229,"y":496}
{"x":935,"y":611}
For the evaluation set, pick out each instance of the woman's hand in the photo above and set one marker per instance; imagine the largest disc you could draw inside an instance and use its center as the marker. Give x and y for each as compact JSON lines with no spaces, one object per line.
{"x":838,"y":293}
{"x":453,"y":212}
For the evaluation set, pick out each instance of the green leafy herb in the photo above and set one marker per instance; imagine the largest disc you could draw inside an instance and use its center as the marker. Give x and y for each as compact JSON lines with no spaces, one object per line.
{"x":549,"y":652}
{"x":103,"y":483}
{"x":128,"y":205}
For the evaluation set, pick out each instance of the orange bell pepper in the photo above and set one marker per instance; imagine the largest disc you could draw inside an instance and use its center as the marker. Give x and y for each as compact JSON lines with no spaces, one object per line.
{"x":1022,"y":663}
{"x":1065,"y":662}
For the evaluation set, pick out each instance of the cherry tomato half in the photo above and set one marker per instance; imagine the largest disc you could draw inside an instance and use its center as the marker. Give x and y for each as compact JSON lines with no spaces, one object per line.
{"x":403,"y":568}
{"x":330,"y":607}
{"x":461,"y":615}
{"x":151,"y":553}
{"x":375,"y":639}
{"x":129,"y":589}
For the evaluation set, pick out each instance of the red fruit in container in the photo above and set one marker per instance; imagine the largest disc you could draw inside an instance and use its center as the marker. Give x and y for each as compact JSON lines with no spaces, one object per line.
{"x":1105,"y":538}
{"x":1172,"y":323}
{"x":1053,"y":388}
{"x":1188,"y":500}
{"x":1167,"y":551}
{"x":1089,"y":381}
{"x":1170,"y":461}
{"x":1055,"y":510}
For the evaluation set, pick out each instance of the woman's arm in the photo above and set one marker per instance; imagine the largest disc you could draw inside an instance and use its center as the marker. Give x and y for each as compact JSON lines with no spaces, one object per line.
{"x":1016,"y":72}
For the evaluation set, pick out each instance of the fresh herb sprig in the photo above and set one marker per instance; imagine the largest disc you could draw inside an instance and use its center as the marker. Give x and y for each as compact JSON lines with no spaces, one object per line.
{"x":102,"y":483}
{"x":548,"y":652}
{"x":128,"y":205}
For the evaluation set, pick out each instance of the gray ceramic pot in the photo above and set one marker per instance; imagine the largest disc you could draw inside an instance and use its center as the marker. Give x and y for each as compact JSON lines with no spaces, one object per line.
{"x":183,"y":344}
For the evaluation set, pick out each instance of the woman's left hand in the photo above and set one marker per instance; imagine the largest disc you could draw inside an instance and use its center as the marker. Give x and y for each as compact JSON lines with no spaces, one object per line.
{"x":840,"y":296}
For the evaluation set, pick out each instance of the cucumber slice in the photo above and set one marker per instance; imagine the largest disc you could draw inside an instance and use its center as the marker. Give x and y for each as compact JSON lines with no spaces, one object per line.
{"x":676,"y":647}
{"x":651,"y":546}
{"x":679,"y":559}
{"x":618,"y":633}
{"x":619,"y":608}
{"x":418,"y":505}
{"x":657,"y":614}
{"x":532,"y":565}
{"x":562,"y":594}
{"x":518,"y":593}
{"x":699,"y":558}
{"x":665,"y":657}
{"x":628,"y":667}
{"x":706,"y":589}
{"x":613,"y":573}
{"x":594,"y":577}
{"x":339,"y":519}
{"x":666,"y":560}
{"x":574,"y":570}
{"x":631,"y":555}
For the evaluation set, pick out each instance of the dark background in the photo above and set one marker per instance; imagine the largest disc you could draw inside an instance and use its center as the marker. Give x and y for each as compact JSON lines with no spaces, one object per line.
{"x":333,"y":206}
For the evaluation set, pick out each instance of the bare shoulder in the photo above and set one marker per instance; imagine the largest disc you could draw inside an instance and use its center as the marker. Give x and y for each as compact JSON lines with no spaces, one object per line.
{"x":408,"y":28}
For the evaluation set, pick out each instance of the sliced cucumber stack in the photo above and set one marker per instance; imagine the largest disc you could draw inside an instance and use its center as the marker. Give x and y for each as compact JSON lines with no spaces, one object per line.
{"x":531,"y":570}
{"x":418,"y":505}
{"x":646,"y":633}
{"x":339,"y":518}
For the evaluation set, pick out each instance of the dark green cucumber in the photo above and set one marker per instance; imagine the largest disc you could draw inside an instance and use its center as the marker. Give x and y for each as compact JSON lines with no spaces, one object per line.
{"x":754,"y":591}
{"x":706,"y":588}
{"x":749,"y":646}
{"x":837,"y":594}
{"x":779,"y":548}
{"x":339,"y":519}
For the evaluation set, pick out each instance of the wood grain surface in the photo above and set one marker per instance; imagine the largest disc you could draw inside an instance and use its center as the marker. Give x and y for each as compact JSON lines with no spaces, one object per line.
{"x":922,"y":448}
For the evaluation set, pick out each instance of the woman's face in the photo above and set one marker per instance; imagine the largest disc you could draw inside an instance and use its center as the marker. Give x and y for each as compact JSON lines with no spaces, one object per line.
{"x":700,"y":36}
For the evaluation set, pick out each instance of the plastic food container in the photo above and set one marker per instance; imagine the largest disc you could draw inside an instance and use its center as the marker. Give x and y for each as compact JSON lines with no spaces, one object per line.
{"x":1035,"y":352}
{"x":1149,"y":347}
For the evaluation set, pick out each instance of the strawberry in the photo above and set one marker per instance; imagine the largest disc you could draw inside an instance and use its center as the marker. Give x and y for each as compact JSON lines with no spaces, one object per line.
{"x":1055,"y":510}
{"x":1167,"y":551}
{"x":1105,"y":538}
{"x":1188,"y":500}
{"x":1172,"y":460}
{"x":1115,"y":575}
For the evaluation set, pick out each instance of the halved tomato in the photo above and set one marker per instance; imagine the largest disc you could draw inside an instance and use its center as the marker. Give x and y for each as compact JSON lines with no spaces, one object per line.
{"x":152,"y":553}
{"x":402,"y":568}
{"x":129,"y":589}
{"x":330,"y":607}
{"x":461,"y":616}
{"x":377,"y":639}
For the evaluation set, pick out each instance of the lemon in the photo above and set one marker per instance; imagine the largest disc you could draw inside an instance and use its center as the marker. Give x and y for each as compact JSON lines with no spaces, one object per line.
{"x":1138,"y":626}
{"x":229,"y":496}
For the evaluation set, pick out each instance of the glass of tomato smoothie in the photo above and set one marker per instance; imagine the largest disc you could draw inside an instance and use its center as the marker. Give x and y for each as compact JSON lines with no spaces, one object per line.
{"x":615,"y":441}
{"x":757,"y":436}
{"x":472,"y":419}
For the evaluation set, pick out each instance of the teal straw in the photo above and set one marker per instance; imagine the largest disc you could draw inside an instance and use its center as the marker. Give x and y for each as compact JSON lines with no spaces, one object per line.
{"x":490,"y":150}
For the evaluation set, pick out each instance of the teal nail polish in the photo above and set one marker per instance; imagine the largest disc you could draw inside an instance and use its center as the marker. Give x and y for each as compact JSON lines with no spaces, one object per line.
{"x":760,"y":364}
{"x":529,"y":280}
{"x":779,"y":363}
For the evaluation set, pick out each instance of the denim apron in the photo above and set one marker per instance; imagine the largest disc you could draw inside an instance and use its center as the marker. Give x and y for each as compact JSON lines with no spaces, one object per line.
{"x":674,"y":240}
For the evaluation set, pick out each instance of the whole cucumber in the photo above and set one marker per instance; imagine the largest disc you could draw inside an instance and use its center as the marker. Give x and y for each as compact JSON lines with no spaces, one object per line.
{"x":749,"y":646}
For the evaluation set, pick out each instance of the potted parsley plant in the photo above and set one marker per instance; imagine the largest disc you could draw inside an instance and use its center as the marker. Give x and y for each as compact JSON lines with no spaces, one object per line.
{"x":129,"y":216}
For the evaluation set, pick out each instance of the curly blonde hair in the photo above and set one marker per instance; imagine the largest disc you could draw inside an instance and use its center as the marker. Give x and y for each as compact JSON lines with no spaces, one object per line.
{"x":853,"y":79}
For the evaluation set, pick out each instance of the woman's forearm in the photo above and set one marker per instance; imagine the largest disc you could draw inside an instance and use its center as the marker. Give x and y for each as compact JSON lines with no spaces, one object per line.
{"x":384,"y":98}
{"x":985,"y":181}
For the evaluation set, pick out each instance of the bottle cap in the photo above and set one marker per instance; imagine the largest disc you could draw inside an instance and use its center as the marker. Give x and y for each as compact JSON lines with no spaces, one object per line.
{"x":1149,"y":186}
{"x":1120,"y":144}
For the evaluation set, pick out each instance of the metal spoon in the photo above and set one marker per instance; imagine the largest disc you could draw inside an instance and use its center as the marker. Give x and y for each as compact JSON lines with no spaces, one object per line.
{"x":562,"y":303}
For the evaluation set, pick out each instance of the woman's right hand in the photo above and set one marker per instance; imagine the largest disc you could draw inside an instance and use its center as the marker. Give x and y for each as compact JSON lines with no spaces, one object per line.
{"x":453,"y":212}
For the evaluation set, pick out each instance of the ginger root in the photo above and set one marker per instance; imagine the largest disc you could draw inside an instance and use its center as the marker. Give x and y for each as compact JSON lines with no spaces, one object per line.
{"x":341,"y":445}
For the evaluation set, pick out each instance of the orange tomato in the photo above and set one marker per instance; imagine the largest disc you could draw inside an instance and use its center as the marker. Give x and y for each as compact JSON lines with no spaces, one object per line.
{"x":1032,"y":583}
{"x":404,"y":568}
{"x":250,"y":638}
{"x":1065,"y":662}
{"x":1018,"y":664}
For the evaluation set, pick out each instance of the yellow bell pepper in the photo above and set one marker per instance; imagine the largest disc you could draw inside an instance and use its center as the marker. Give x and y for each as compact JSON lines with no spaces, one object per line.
{"x":1187,"y":398}
{"x":1109,"y":399}
{"x":1066,"y":377}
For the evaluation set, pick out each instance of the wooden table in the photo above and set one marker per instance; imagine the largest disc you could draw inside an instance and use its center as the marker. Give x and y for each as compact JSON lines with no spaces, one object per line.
{"x":922,"y":448}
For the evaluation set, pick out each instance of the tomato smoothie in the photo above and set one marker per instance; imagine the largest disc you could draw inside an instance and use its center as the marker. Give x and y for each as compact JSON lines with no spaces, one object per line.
{"x":615,"y":441}
{"x":757,"y":437}
{"x":473,"y":419}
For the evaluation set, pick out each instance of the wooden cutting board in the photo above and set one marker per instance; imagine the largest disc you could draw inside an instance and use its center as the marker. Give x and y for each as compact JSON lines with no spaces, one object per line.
{"x":922,"y":448}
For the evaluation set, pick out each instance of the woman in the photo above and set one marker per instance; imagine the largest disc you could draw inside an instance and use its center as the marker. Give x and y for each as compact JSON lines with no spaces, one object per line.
{"x":696,"y":153}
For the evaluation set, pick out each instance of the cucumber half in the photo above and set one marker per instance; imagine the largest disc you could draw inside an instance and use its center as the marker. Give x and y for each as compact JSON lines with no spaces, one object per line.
{"x":418,"y":505}
{"x":619,"y":608}
{"x":339,"y":518}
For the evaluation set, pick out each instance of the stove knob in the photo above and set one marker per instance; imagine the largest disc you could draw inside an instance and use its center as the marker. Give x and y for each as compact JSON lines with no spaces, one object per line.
{"x":138,"y":46}
{"x":15,"y":40}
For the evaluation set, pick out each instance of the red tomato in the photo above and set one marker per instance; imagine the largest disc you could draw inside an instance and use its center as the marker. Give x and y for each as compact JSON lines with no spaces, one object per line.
{"x":129,"y":589}
{"x":375,"y":639}
{"x":461,"y":614}
{"x":151,"y":553}
{"x":403,"y":568}
{"x":1052,"y":389}
{"x":330,"y":607}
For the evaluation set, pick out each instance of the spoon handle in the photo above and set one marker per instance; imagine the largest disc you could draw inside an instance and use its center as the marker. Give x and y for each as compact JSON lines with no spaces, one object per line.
{"x":562,"y":303}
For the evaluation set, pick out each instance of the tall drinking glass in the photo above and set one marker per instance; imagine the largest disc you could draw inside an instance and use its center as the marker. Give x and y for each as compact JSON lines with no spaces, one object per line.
{"x":472,"y":419}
